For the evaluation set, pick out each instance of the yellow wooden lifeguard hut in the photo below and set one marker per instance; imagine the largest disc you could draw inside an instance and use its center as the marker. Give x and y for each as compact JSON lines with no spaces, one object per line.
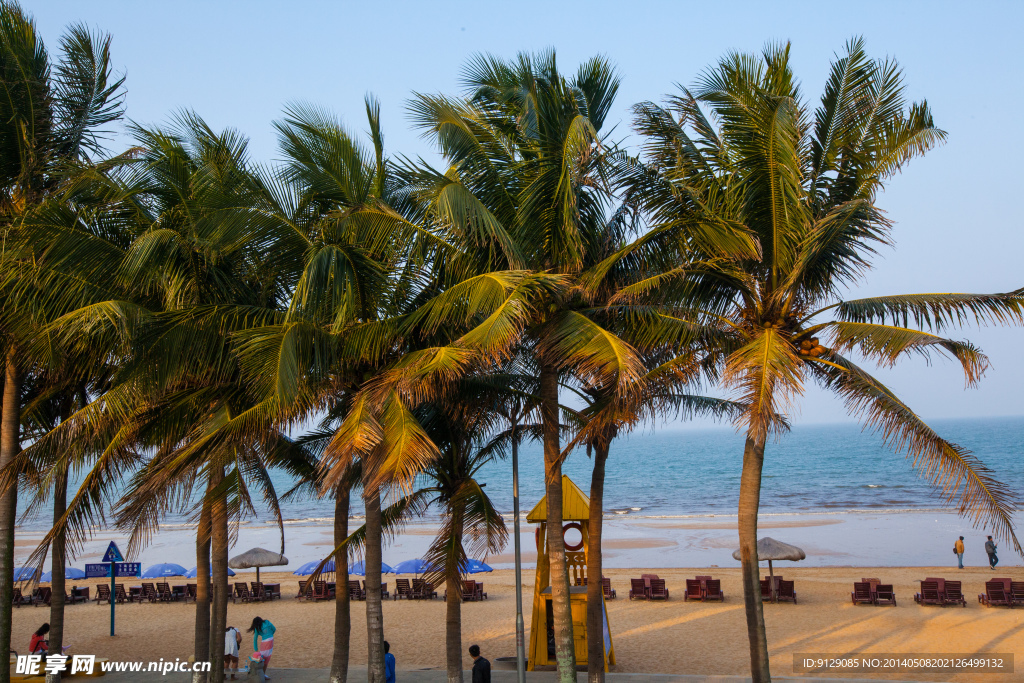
{"x":575,"y":516}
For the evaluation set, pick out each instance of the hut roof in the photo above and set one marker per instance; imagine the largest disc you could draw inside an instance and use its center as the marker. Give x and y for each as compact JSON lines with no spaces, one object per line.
{"x":770,"y":549}
{"x":257,"y":557}
{"x":575,"y":505}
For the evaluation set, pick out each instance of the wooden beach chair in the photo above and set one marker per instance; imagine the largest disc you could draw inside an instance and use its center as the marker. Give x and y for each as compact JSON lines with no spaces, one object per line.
{"x":305,"y":591}
{"x":658,"y":590}
{"x":469,"y":591}
{"x":1017,"y":592}
{"x":190,"y":592}
{"x":787,"y":592}
{"x":355,"y":592}
{"x":929,"y":594}
{"x":606,"y":587}
{"x":402,"y":589}
{"x":637,"y":589}
{"x":164,"y":593}
{"x":17,"y":599}
{"x":693,"y":591}
{"x":995,"y":594}
{"x":75,"y":595}
{"x":953,"y":594}
{"x":42,"y":596}
{"x":480,"y":593}
{"x":257,"y":591}
{"x":148,"y":592}
{"x":766,"y":590}
{"x":102,"y":593}
{"x":242,"y":593}
{"x":713,"y":590}
{"x":321,"y":591}
{"x":862,"y":594}
{"x":885,"y":593}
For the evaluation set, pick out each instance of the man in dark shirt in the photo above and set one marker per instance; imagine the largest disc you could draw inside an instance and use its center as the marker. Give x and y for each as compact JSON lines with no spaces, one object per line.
{"x":481,"y":667}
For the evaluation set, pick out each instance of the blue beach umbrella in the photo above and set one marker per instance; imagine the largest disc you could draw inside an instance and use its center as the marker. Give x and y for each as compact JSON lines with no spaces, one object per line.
{"x":476,"y":567}
{"x":359,"y":568}
{"x":24,"y":573}
{"x":161,"y":571}
{"x":416,"y":566}
{"x":307,"y":569}
{"x":194,"y":572}
{"x":69,"y":573}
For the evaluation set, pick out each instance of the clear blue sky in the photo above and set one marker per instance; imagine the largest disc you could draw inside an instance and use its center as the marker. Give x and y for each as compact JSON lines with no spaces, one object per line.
{"x":957,"y":229}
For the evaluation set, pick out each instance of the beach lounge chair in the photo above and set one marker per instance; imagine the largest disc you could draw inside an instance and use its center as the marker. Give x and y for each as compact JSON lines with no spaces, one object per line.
{"x":305,"y":591}
{"x":480,"y":594}
{"x":862,"y":594}
{"x":164,"y":592}
{"x":355,"y":592}
{"x":1017,"y":592}
{"x":190,"y":592}
{"x":929,"y":594}
{"x":637,"y":589}
{"x":766,"y":590}
{"x":402,"y":589}
{"x":75,"y":595}
{"x":41,"y":596}
{"x":242,"y":593}
{"x":120,"y":595}
{"x":257,"y":590}
{"x":149,"y":593}
{"x":787,"y":592}
{"x":953,"y":594}
{"x":102,"y":593}
{"x":885,"y":593}
{"x":321,"y":591}
{"x":995,"y":594}
{"x":713,"y":590}
{"x":606,"y":586}
{"x":17,"y":599}
{"x":694,"y":591}
{"x":658,"y":590}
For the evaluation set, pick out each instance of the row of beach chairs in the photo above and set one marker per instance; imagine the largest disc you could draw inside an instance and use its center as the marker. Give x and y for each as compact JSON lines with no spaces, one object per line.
{"x":1002,"y":592}
{"x":873,"y":592}
{"x":257,"y":593}
{"x":648,"y":587}
{"x":940,"y":592}
{"x":472,"y":591}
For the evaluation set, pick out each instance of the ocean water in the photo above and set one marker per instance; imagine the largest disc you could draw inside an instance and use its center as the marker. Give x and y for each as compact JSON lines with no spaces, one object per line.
{"x":814,"y":469}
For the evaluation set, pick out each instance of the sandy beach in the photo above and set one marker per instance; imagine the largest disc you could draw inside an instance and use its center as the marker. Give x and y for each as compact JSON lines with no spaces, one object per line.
{"x":650,"y":637}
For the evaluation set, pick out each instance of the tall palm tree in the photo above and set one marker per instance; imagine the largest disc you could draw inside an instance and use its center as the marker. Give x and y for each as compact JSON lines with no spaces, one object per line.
{"x":804,"y":184}
{"x":459,"y":426}
{"x":529,"y":185}
{"x":51,"y":116}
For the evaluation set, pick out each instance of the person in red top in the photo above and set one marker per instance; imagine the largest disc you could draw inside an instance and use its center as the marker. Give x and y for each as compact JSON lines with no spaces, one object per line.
{"x":39,"y":644}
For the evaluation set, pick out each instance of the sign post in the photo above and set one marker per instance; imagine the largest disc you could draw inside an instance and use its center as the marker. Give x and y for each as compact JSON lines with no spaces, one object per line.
{"x":113,"y":556}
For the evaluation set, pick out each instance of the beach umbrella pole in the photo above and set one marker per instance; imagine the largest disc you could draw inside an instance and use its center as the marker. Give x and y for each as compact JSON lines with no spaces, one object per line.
{"x":520,"y":638}
{"x":771,"y":579}
{"x":257,"y":573}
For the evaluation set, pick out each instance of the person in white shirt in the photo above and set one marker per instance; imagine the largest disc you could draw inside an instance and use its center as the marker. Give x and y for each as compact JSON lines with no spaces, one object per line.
{"x":232,"y":639}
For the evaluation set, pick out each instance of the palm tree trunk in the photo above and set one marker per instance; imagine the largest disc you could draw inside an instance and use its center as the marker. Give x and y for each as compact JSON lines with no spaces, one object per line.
{"x":342,"y":607}
{"x":202,"y":635}
{"x":57,"y":563}
{"x":565,"y":647}
{"x":595,"y":569}
{"x":219,"y":582}
{"x":10,"y":433}
{"x":374,"y":609}
{"x":453,"y":611}
{"x":750,"y":499}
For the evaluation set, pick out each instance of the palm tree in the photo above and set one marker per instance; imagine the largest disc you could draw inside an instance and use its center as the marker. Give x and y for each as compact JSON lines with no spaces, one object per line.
{"x":529,"y":185}
{"x":50,"y":117}
{"x":458,"y":426}
{"x":804,"y":184}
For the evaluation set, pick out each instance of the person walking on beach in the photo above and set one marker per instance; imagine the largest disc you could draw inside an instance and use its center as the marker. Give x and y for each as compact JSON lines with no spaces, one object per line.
{"x":389,"y":664}
{"x":232,"y":639}
{"x":990,"y":548}
{"x":958,"y":548}
{"x":481,"y":667}
{"x":261,"y":628}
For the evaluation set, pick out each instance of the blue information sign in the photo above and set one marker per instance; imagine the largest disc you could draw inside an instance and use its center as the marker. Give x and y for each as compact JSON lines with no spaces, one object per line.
{"x":121,"y":569}
{"x":113,"y":554}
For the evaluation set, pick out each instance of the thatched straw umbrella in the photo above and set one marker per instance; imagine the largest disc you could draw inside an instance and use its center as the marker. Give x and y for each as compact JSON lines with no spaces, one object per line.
{"x":770,"y":549}
{"x":257,"y":557}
